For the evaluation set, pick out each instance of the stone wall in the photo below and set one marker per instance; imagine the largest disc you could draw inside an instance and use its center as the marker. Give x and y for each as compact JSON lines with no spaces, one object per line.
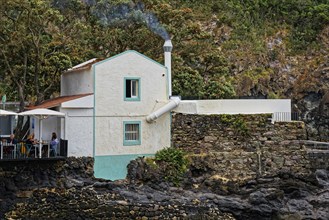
{"x":241,"y":147}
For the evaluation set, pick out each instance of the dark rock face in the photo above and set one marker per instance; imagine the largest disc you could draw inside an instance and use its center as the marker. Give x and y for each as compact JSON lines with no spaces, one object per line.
{"x":21,"y":180}
{"x":284,"y":196}
{"x":68,"y":190}
{"x":72,"y":193}
{"x":314,"y":108}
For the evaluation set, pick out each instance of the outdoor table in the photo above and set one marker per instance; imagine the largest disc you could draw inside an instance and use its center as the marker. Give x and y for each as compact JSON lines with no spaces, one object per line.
{"x":45,"y":144}
{"x":48,"y":145}
{"x":38,"y":146}
{"x":41,"y":146}
{"x":14,"y":146}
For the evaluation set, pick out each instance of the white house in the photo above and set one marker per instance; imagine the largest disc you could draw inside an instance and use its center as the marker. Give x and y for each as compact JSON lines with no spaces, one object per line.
{"x":120,"y":108}
{"x":129,"y":87}
{"x":116,"y":110}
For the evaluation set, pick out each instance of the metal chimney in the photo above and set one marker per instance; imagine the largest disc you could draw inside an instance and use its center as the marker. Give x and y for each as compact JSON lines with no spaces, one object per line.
{"x":167,"y":47}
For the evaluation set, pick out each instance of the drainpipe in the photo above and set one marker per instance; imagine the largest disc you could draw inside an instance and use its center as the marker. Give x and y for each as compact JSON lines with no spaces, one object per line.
{"x":173,"y":103}
{"x":167,"y":47}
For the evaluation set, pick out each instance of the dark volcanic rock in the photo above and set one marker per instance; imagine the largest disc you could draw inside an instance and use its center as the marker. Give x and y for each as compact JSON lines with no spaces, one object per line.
{"x":287,"y":196}
{"x":322,"y":177}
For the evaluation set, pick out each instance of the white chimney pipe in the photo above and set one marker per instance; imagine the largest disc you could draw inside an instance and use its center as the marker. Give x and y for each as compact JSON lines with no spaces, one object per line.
{"x":173,"y":101}
{"x":167,"y":47}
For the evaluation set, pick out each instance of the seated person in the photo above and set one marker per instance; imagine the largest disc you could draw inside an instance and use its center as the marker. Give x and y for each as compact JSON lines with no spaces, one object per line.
{"x":30,"y":143}
{"x":12,"y":140}
{"x":54,"y":143}
{"x":6,"y":148}
{"x":9,"y":144}
{"x":30,"y":140}
{"x":3,"y":141}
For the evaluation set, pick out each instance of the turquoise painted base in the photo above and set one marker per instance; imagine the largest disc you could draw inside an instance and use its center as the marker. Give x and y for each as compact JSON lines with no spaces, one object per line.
{"x":113,"y":167}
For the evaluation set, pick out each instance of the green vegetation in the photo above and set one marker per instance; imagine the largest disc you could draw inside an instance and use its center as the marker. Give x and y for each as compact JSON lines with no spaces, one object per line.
{"x":237,"y":122}
{"x":305,"y":18}
{"x":172,"y":163}
{"x":222,"y":49}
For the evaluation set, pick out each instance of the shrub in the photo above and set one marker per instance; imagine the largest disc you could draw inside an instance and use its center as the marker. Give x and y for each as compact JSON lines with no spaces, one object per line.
{"x":173,"y":162}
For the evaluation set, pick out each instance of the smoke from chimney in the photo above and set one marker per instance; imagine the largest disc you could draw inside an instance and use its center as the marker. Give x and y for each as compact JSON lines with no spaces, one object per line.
{"x":122,"y":14}
{"x":89,"y":2}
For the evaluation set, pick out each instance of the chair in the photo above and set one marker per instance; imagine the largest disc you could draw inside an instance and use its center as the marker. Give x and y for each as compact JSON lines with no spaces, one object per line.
{"x":7,"y":151}
{"x":18,"y":150}
{"x":52,"y":153}
{"x":14,"y":151}
{"x":53,"y":150}
{"x":21,"y":150}
{"x":29,"y":149}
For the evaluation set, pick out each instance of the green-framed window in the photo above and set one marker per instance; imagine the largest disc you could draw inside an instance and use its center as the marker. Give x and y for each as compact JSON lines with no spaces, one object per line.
{"x":132,"y":89}
{"x":131,"y":133}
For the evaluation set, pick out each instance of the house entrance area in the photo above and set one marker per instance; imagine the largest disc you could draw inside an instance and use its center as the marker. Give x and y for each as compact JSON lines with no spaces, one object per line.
{"x":40,"y":140}
{"x":23,"y":150}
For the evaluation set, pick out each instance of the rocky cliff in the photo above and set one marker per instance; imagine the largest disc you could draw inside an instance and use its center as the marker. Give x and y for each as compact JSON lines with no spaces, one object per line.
{"x":247,"y":166}
{"x":241,"y":167}
{"x":67,"y":190}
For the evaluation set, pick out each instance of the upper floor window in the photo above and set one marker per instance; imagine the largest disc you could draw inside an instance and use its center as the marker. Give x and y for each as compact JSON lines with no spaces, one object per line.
{"x":132,"y":133}
{"x":132,"y":89}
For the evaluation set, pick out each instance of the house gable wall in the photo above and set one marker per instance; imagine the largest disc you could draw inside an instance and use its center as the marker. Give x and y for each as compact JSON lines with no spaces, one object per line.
{"x":77,"y":82}
{"x":112,"y":111}
{"x":109,"y":83}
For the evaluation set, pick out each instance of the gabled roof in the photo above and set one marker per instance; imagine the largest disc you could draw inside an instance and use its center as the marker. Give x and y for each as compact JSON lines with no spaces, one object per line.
{"x":89,"y":63}
{"x":127,"y":52}
{"x":50,"y":103}
{"x":84,"y":66}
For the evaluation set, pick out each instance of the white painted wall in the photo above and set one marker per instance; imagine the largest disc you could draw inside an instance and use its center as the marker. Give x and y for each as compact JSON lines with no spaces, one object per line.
{"x":110,"y":85}
{"x":109,"y":136}
{"x":79,"y":126}
{"x":77,"y":82}
{"x":79,"y":131}
{"x":83,"y":102}
{"x":111,"y":109}
{"x":234,"y":106}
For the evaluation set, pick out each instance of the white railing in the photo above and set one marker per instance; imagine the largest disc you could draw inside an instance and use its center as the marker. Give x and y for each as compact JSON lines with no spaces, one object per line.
{"x":281,"y":116}
{"x":285,"y":116}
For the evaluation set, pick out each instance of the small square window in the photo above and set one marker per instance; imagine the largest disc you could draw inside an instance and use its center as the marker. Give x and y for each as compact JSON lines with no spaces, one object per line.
{"x":132,"y":133}
{"x":132,"y":89}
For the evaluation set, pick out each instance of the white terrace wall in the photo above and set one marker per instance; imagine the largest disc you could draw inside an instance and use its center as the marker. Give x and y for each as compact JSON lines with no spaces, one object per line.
{"x":77,"y":82}
{"x":79,"y":131}
{"x":238,"y":106}
{"x":78,"y":126}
